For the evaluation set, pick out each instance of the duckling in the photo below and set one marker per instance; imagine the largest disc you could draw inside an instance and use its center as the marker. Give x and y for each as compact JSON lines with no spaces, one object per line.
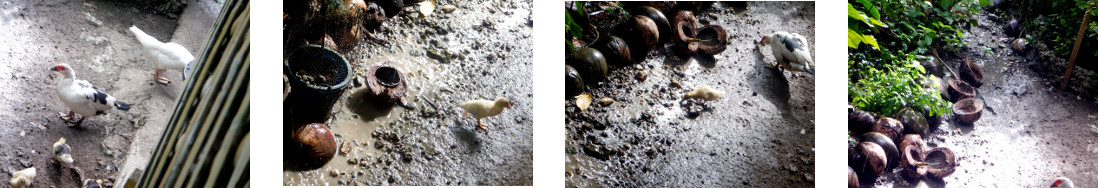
{"x":23,"y":178}
{"x":481,"y":108}
{"x":1062,"y":182}
{"x":91,"y":183}
{"x":61,"y":152}
{"x":705,"y":93}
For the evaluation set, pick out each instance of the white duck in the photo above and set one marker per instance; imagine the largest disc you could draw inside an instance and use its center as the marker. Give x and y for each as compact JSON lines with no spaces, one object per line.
{"x":166,"y":55}
{"x":705,"y":93}
{"x":82,"y":97}
{"x":61,"y":151}
{"x":481,"y":108}
{"x":791,"y":51}
{"x":23,"y":178}
{"x":1062,"y":182}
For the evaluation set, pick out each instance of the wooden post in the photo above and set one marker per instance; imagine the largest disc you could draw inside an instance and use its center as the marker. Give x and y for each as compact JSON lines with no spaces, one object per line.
{"x":1075,"y":50}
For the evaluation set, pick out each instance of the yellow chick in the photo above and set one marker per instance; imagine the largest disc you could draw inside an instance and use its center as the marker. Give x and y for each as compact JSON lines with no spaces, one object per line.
{"x":23,"y":178}
{"x":705,"y":93}
{"x":61,"y":151}
{"x":481,"y":108}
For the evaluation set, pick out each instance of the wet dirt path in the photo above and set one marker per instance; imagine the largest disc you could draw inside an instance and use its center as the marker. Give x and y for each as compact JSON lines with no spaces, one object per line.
{"x":760,"y":133}
{"x":481,"y":50}
{"x":1030,"y":134}
{"x":90,"y":36}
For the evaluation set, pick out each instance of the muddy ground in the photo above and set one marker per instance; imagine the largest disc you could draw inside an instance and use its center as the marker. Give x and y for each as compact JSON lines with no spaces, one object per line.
{"x":761,"y":133}
{"x":92,"y":37}
{"x":1030,"y":132}
{"x":481,"y":50}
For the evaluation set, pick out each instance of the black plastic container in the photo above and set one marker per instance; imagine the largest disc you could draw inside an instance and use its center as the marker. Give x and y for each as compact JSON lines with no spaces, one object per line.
{"x":318,"y":77}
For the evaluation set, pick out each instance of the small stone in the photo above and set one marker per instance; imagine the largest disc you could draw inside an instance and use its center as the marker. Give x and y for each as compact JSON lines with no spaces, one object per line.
{"x":605,"y":101}
{"x":1018,"y":45}
{"x":448,"y":8}
{"x":345,"y":148}
{"x":333,"y":172}
{"x":675,"y":83}
{"x":642,"y":75}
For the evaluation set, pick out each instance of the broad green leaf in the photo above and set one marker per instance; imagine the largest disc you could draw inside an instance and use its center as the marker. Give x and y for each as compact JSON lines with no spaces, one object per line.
{"x":985,"y":3}
{"x":853,"y":38}
{"x":872,"y":9}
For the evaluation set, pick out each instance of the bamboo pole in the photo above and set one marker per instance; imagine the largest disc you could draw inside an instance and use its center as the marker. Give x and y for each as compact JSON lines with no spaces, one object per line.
{"x":1075,"y":50}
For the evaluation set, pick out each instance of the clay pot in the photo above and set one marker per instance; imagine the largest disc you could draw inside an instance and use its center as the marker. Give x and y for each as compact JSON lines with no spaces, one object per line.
{"x":968,"y":110}
{"x":714,"y":40}
{"x":887,"y":145}
{"x":889,"y":127}
{"x":942,"y":163}
{"x":971,"y":73}
{"x":312,"y":146}
{"x":960,"y":90}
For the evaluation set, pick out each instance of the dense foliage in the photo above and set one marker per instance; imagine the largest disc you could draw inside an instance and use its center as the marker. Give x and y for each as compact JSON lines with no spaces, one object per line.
{"x":884,"y":40}
{"x":1061,"y":24}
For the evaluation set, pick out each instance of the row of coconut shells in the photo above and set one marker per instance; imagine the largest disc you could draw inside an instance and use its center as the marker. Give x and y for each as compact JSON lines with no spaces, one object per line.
{"x":960,"y":89}
{"x":647,"y":28}
{"x":873,"y":150}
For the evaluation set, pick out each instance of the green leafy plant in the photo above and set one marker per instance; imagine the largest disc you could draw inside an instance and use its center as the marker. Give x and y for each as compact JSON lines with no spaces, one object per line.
{"x":887,"y":90}
{"x":887,"y":76}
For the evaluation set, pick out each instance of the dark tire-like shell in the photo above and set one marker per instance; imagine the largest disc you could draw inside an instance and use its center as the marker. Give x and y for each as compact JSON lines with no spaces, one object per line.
{"x":861,"y":121}
{"x":590,"y":63}
{"x":642,"y":33}
{"x":913,"y":140}
{"x":662,"y":22}
{"x":714,"y":40}
{"x":681,"y":45}
{"x":873,"y":164}
{"x":851,"y":178}
{"x":913,"y":120}
{"x":685,"y":28}
{"x":893,"y":153}
{"x":615,"y":49}
{"x":573,"y":81}
{"x":912,"y":171}
{"x":889,"y":127}
{"x":942,"y":161}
